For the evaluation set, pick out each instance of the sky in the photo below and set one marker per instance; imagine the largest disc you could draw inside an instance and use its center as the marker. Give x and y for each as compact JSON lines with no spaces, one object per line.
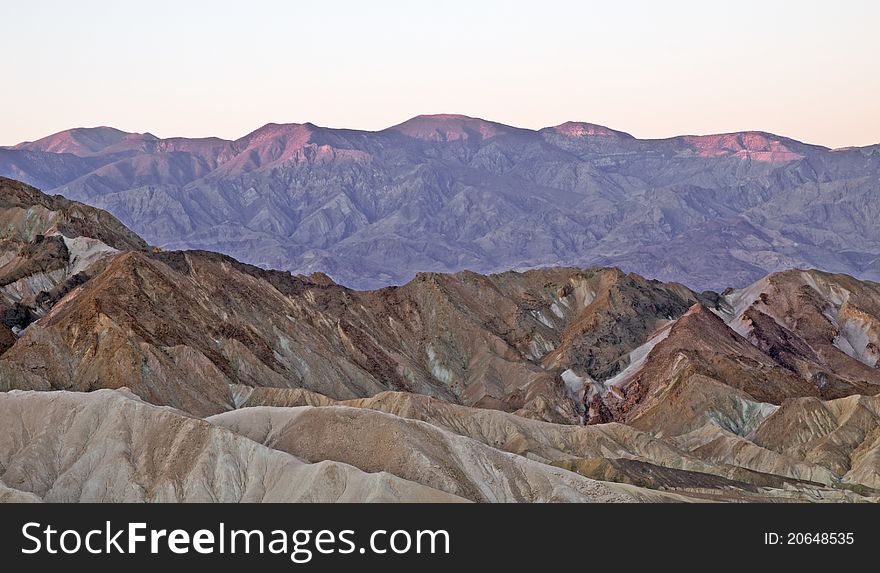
{"x":807,"y":69}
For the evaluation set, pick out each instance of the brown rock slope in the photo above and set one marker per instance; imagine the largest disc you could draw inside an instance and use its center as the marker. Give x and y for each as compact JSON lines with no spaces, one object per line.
{"x":180,"y":328}
{"x":48,"y":247}
{"x":702,"y":371}
{"x":825,"y":327}
{"x":26,"y":213}
{"x":842,"y":435}
{"x":792,"y":334}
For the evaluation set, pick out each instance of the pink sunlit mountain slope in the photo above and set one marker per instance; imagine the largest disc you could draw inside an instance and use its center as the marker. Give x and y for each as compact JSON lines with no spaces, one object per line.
{"x":450,"y":192}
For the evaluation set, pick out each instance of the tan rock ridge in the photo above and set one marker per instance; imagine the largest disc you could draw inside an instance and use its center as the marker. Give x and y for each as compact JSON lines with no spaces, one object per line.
{"x":420,"y":452}
{"x":107,"y":446}
{"x":707,"y":464}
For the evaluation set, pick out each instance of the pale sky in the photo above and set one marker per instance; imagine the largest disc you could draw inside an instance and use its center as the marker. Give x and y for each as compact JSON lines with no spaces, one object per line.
{"x":806,"y":69}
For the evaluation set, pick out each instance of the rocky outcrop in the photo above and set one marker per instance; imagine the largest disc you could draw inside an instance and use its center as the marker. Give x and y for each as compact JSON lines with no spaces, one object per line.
{"x":823,"y":326}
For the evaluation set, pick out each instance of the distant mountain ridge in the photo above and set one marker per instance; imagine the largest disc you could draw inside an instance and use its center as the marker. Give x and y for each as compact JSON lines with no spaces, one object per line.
{"x":448,"y":192}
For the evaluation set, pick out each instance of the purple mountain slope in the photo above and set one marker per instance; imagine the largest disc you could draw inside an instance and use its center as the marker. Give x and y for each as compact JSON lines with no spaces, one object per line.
{"x":449,"y":192}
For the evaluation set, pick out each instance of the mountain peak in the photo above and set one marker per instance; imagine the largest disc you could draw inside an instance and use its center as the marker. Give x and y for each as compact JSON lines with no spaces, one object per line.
{"x":279,"y":143}
{"x":755,"y":145}
{"x":446,"y":117}
{"x":85,"y":141}
{"x":582,"y":129}
{"x":450,"y":127}
{"x":271,"y":131}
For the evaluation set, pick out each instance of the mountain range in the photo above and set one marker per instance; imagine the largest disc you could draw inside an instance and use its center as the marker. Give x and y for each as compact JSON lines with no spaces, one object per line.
{"x":130,"y":372}
{"x":447,"y":193}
